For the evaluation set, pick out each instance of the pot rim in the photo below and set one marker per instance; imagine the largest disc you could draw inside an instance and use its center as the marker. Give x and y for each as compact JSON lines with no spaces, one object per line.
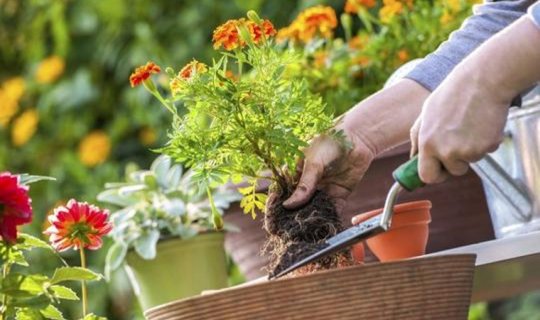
{"x":401,"y":209}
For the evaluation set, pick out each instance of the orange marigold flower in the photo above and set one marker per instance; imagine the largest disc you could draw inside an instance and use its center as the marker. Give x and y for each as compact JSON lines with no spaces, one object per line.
{"x":353,"y":6}
{"x":78,"y":225}
{"x":318,"y":20}
{"x":227,"y":36}
{"x":446,"y":18}
{"x":257,"y":32}
{"x":191,"y":69}
{"x":142,"y":73}
{"x":361,"y":60}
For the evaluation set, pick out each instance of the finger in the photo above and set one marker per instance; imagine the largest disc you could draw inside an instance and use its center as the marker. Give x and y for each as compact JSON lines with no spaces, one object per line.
{"x":413,"y":134}
{"x":311,"y":174}
{"x":430,"y":169}
{"x":456,"y":167}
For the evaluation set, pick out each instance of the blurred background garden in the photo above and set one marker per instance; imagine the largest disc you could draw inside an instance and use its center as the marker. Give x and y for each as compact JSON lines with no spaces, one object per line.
{"x":67,"y":109}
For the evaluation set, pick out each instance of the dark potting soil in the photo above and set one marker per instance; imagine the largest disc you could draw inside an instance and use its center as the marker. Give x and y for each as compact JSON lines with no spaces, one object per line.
{"x":296,"y":234}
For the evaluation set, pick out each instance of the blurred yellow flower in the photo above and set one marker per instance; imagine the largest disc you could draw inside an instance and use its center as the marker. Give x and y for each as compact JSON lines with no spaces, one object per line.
{"x":24,"y":127}
{"x":94,"y":149}
{"x":11,"y":92}
{"x":147,"y":136}
{"x":446,"y":18}
{"x":453,"y":5}
{"x":390,"y":9}
{"x":50,"y":69}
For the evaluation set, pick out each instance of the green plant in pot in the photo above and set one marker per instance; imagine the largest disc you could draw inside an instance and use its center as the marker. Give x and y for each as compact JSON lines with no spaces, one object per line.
{"x":242,"y":116}
{"x":164,"y":232}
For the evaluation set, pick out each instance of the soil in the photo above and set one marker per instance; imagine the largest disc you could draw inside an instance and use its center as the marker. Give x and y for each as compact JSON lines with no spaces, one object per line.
{"x":296,"y":234}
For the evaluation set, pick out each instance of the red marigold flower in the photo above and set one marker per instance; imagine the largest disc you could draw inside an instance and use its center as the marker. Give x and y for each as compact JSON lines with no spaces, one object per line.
{"x":15,"y":206}
{"x":142,"y":73}
{"x":78,"y":225}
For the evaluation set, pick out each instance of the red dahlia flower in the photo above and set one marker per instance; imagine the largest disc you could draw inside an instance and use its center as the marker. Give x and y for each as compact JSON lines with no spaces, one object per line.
{"x":78,"y":225}
{"x":15,"y":206}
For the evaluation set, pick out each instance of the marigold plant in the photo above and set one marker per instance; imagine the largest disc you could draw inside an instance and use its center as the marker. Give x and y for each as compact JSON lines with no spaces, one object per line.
{"x":236,"y":128}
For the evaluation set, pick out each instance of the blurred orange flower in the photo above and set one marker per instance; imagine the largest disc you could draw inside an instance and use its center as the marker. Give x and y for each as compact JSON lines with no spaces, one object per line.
{"x":266,"y":28}
{"x":192,"y":68}
{"x":315,"y":21}
{"x":353,"y":6}
{"x":147,"y":136}
{"x":358,"y":42}
{"x":403,"y":55}
{"x":390,"y":9}
{"x":78,"y":225}
{"x":446,"y":18}
{"x":50,"y":69}
{"x":142,"y":73}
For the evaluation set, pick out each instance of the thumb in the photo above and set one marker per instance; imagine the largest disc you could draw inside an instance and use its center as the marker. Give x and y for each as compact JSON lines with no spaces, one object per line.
{"x":311,"y":174}
{"x":415,"y":129}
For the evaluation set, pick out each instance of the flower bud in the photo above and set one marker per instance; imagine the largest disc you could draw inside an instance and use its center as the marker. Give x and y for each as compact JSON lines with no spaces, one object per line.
{"x":253,"y":16}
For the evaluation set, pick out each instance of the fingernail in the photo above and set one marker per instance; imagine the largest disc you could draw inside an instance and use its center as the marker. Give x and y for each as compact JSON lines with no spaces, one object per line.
{"x":354,"y":220}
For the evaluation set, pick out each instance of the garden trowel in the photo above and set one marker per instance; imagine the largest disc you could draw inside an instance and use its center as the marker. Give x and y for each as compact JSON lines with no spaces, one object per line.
{"x":406,"y":177}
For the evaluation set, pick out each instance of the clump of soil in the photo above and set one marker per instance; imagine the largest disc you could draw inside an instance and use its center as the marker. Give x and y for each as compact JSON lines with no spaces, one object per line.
{"x":296,"y":234}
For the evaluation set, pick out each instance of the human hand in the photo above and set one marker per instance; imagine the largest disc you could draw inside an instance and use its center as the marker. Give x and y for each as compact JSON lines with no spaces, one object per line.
{"x":463,"y":119}
{"x":331,"y":167}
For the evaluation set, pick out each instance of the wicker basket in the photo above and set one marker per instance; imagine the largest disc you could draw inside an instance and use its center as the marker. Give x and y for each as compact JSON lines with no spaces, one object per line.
{"x":423,"y":288}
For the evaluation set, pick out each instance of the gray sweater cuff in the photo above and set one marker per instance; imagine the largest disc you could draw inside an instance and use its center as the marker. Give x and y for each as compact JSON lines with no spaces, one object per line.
{"x":488,"y":19}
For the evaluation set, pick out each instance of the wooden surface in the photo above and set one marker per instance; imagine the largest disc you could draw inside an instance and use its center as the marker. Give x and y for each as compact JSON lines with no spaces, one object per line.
{"x":424,"y":288}
{"x":459,"y":215}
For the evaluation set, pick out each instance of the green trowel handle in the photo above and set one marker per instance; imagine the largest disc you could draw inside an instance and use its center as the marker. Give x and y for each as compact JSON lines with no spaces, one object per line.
{"x":407,"y":175}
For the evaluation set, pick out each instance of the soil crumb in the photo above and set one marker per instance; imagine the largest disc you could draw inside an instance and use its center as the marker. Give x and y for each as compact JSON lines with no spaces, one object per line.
{"x":296,"y":234}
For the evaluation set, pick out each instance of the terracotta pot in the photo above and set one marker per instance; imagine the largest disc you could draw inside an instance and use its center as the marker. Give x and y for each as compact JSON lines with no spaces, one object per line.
{"x":408,"y":234}
{"x":358,"y":252}
{"x":408,"y":289}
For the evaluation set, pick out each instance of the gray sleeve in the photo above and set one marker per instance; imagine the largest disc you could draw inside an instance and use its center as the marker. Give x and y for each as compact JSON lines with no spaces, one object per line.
{"x":488,"y":19}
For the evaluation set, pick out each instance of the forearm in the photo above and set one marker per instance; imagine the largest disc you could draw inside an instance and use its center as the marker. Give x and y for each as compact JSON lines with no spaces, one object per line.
{"x":508,"y":63}
{"x":383,"y":120}
{"x":488,"y":19}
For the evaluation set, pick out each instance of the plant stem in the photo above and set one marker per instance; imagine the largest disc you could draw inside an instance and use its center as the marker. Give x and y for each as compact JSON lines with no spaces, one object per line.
{"x":3,"y":308}
{"x":83,"y":283}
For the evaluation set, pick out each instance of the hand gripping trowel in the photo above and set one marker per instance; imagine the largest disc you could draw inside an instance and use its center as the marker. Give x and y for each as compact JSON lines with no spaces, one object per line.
{"x":406,"y":177}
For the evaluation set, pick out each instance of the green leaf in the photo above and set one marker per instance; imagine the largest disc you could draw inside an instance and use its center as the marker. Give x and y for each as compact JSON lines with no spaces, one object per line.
{"x":38,"y":302}
{"x":28,"y":314}
{"x":161,"y":167}
{"x":73,"y":273}
{"x":62,"y":292}
{"x":17,"y":257}
{"x":27,"y":242}
{"x":51,"y":312}
{"x":28,"y":179}
{"x":115,"y":257}
{"x":24,"y":286}
{"x":145,"y":245}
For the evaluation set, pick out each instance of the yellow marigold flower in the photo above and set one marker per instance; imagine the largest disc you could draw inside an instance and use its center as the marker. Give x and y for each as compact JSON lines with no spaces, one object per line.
{"x":446,"y":18}
{"x":390,"y":9}
{"x":24,"y":127}
{"x":50,"y":69}
{"x":94,"y":149}
{"x":11,"y":92}
{"x":147,"y":136}
{"x":316,"y":21}
{"x":403,"y":55}
{"x":353,"y":6}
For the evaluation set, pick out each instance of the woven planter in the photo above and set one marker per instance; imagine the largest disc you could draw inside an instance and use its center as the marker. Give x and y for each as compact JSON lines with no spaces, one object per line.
{"x":424,"y":288}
